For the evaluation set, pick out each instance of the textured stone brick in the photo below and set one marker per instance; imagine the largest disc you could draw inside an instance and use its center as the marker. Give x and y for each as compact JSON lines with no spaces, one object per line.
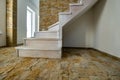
{"x":11,"y":22}
{"x":49,"y":10}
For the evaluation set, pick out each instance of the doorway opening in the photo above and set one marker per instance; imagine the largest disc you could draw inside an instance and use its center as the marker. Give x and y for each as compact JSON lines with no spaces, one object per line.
{"x":30,"y":22}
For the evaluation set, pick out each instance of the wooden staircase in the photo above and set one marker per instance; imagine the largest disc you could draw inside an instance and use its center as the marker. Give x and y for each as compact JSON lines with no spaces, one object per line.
{"x":48,"y":44}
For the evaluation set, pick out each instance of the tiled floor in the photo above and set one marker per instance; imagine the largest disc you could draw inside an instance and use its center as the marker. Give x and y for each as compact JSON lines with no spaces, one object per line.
{"x":76,"y":64}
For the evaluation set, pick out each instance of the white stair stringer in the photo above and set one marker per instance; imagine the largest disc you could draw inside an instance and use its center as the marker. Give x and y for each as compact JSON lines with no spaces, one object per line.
{"x":48,"y":44}
{"x":54,"y":27}
{"x":76,"y":11}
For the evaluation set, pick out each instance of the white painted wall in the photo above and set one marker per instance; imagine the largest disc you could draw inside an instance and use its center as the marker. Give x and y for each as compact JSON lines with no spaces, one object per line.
{"x":79,"y":33}
{"x":107,"y":26}
{"x":98,"y":28}
{"x":22,"y":18}
{"x":2,"y":22}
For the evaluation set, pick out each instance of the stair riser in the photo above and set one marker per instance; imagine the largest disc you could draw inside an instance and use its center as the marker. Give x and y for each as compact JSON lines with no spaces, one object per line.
{"x":39,"y":53}
{"x":45,"y":44}
{"x":75,"y":8}
{"x":46,"y":35}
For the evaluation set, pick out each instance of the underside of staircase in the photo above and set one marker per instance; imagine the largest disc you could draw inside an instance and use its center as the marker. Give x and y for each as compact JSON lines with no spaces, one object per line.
{"x":48,"y":44}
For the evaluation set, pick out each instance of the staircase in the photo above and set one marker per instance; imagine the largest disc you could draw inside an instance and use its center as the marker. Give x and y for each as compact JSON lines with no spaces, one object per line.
{"x":48,"y":44}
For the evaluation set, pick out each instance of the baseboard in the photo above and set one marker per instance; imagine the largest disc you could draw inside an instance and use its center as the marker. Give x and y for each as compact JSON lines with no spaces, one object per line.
{"x":106,"y":54}
{"x":3,"y":46}
{"x":77,"y":47}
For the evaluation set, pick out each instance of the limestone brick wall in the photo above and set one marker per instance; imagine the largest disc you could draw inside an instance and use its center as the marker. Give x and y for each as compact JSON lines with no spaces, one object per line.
{"x":49,"y":10}
{"x":15,"y":22}
{"x":11,"y":22}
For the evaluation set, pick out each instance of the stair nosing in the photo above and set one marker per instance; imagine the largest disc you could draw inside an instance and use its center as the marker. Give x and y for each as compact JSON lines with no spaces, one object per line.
{"x":47,"y":32}
{"x":65,"y":13}
{"x":76,"y":4}
{"x":31,"y":48}
{"x":42,"y":39}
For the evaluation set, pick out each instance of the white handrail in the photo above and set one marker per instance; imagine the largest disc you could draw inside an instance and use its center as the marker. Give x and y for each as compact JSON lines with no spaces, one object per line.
{"x":54,"y":24}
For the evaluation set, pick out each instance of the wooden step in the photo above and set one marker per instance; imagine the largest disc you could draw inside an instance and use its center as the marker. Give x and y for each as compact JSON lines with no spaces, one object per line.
{"x":47,"y":34}
{"x":75,"y":8}
{"x":35,"y":52}
{"x":43,"y":42}
{"x":41,"y":39}
{"x":37,"y":48}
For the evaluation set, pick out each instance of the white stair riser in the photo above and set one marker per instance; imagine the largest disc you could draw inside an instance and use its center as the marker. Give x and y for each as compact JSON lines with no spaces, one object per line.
{"x":75,"y":9}
{"x":42,"y":43}
{"x":46,"y":35}
{"x":39,"y":53}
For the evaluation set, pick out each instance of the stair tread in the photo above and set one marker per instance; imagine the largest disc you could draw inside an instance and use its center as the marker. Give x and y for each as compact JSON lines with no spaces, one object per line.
{"x":61,"y":13}
{"x":76,"y":4}
{"x":36,"y":48}
{"x":47,"y":32}
{"x":42,"y":39}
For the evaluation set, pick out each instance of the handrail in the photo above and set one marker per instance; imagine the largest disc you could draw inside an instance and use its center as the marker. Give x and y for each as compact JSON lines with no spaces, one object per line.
{"x":54,"y":24}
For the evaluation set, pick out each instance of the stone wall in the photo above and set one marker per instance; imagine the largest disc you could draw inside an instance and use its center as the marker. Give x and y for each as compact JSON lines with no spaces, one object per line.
{"x":15,"y":22}
{"x":11,"y":22}
{"x":49,"y":10}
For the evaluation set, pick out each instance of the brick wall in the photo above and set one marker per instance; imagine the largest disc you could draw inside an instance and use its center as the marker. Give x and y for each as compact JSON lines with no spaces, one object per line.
{"x":11,"y":22}
{"x":49,"y":10}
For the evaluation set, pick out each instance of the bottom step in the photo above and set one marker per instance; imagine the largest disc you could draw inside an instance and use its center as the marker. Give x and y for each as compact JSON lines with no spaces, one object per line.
{"x":39,"y":53}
